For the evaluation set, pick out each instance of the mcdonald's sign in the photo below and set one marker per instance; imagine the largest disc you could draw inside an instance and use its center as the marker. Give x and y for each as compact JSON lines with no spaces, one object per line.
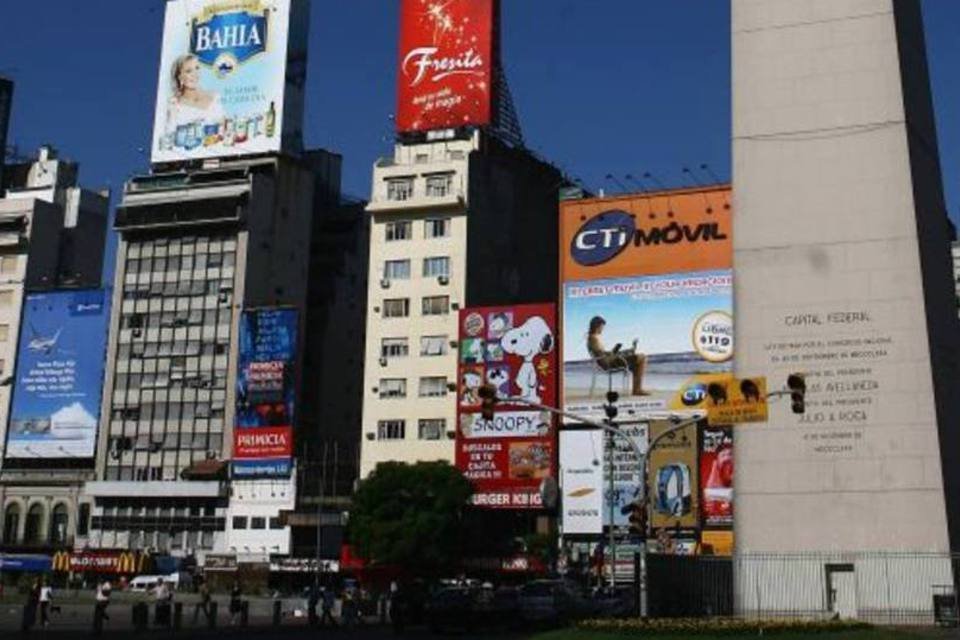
{"x":119,"y":562}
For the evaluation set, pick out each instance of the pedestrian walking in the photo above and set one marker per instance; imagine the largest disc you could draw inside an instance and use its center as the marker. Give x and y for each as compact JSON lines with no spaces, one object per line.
{"x":203,"y":605}
{"x":236,"y":604}
{"x":396,"y":607}
{"x":46,"y":598}
{"x":30,"y":607}
{"x":100,"y":608}
{"x":328,"y":602}
{"x":313,"y":599}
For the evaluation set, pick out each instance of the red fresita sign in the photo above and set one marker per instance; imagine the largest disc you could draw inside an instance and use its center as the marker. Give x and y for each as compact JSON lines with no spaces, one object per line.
{"x":513,"y":349}
{"x":447,"y":60}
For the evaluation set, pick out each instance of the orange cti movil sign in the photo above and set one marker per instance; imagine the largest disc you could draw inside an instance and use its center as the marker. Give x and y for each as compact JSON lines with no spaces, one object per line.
{"x":674,"y":231}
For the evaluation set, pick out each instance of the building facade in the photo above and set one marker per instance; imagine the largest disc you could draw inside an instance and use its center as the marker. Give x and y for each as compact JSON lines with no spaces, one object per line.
{"x":45,"y":220}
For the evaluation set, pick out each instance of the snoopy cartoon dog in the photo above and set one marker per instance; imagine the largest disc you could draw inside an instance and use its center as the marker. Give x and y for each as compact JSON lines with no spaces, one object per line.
{"x":528,"y":340}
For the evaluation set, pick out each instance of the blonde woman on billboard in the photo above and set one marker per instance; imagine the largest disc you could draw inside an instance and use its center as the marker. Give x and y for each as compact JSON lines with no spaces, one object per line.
{"x":189,"y":102}
{"x":618,"y":358}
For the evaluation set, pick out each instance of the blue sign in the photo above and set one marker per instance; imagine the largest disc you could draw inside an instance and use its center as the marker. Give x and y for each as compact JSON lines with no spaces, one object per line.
{"x":228,"y":39}
{"x":59,"y":375}
{"x":266,"y":382}
{"x":31,"y":564}
{"x":271,"y":467}
{"x":602,"y":238}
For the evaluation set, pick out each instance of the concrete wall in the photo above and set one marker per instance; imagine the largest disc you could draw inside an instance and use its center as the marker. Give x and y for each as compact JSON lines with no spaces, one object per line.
{"x":836,"y":277}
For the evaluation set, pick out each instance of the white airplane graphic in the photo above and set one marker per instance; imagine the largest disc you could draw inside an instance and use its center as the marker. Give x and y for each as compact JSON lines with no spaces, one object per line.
{"x":43,"y":344}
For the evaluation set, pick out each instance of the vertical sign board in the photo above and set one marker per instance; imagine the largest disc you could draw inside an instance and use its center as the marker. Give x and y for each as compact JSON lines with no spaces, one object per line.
{"x":59,"y":375}
{"x":514,"y":349}
{"x":716,"y":476}
{"x":266,"y":393}
{"x":672,"y":478}
{"x":581,"y":482}
{"x":647,"y":296}
{"x":231,"y":79}
{"x":446,"y":64}
{"x":626,"y":473}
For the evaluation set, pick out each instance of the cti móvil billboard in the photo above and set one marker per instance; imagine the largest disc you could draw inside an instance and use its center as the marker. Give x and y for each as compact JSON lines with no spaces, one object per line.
{"x":59,"y":375}
{"x":266,"y":392}
{"x":514,"y":349}
{"x":230,"y":78}
{"x":447,"y":63}
{"x":647,"y":296}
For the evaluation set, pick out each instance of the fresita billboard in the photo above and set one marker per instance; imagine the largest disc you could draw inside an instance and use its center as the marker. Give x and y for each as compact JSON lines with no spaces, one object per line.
{"x":508,"y":457}
{"x":446,"y":64}
{"x":231,"y":78}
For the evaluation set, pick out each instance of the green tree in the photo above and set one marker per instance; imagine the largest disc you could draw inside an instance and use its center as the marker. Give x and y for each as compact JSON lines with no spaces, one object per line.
{"x":410,"y":516}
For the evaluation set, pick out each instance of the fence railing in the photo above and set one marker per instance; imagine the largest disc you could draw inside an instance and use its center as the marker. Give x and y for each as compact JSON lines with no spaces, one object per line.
{"x":882,"y":588}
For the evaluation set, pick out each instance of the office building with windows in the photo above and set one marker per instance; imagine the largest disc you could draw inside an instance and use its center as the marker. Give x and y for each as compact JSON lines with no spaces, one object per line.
{"x":197,"y":248}
{"x":52,"y":235}
{"x":468,"y":220}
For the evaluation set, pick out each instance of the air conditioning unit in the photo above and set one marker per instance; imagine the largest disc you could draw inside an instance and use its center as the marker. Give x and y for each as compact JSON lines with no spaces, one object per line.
{"x":444,"y":280}
{"x":383,"y":361}
{"x":454,"y":344}
{"x":371,"y":435}
{"x":385,"y":283}
{"x":451,"y":435}
{"x":455,"y":305}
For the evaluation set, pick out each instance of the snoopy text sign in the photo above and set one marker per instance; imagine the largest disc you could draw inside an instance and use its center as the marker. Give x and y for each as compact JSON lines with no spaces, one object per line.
{"x":514,"y":350}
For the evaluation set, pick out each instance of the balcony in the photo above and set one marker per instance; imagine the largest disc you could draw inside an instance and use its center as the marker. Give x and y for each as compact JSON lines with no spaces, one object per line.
{"x":435,"y":190}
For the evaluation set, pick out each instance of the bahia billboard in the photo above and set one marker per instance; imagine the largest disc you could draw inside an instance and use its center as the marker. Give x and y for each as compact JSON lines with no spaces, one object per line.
{"x":231,"y":79}
{"x":447,"y":64}
{"x":266,"y":393}
{"x":59,"y":375}
{"x":514,"y":349}
{"x":647,"y":294}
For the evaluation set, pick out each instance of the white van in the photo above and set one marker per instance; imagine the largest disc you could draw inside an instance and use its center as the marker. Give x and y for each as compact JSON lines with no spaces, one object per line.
{"x":147,"y":583}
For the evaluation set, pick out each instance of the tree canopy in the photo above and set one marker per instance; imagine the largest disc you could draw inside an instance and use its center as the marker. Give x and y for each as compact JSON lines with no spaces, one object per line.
{"x":410,"y":516}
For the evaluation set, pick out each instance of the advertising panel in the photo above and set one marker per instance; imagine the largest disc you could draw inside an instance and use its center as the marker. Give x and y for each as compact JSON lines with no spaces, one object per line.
{"x":266,"y":392}
{"x":223,"y":79}
{"x":647,"y":297}
{"x":627,"y":475}
{"x":673,"y":477}
{"x":100,"y":561}
{"x":447,"y":64}
{"x":581,"y":478}
{"x":507,"y":457}
{"x":716,"y":476}
{"x":59,"y":375}
{"x":727,"y":400}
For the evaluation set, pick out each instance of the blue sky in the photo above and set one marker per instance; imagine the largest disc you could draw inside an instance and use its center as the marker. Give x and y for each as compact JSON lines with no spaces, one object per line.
{"x":607,"y":86}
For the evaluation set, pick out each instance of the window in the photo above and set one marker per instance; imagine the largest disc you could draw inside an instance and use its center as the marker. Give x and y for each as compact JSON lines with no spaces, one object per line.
{"x":399,"y":189}
{"x":394,"y":348}
{"x":439,"y":186}
{"x":436,"y":305}
{"x":258,"y":523}
{"x":33,"y":530}
{"x":431,"y":429}
{"x":6,"y":298}
{"x":8,"y":264}
{"x":391,"y":429}
{"x":433,"y":345}
{"x":275,"y":524}
{"x":394,"y":308}
{"x":433,"y":387}
{"x":399,"y":230}
{"x":11,"y":523}
{"x":206,"y":540}
{"x":83,"y":519}
{"x":396,"y":269}
{"x":438,"y":228}
{"x":393,"y":388}
{"x":239,"y":522}
{"x":58,"y":525}
{"x":437,"y":266}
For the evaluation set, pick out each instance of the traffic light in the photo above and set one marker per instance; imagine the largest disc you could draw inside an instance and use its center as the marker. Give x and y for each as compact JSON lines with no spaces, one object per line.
{"x":638,"y":519}
{"x":798,"y":391}
{"x":488,"y":400}
{"x":611,"y":407}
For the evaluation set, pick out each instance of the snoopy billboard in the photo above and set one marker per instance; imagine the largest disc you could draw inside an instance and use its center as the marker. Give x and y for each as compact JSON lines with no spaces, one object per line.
{"x":514,"y":349}
{"x":59,"y":375}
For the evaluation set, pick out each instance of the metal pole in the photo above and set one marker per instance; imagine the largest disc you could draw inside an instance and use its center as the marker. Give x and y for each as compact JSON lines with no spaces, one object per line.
{"x":322,"y":478}
{"x":613,"y":539}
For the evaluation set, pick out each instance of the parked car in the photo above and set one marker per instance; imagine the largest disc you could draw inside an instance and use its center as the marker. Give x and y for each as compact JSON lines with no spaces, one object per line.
{"x":147,"y":583}
{"x":553,"y":602}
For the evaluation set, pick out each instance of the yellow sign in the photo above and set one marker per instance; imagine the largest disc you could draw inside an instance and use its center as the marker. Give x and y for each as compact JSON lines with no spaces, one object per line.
{"x":719,"y":543}
{"x":727,"y":400}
